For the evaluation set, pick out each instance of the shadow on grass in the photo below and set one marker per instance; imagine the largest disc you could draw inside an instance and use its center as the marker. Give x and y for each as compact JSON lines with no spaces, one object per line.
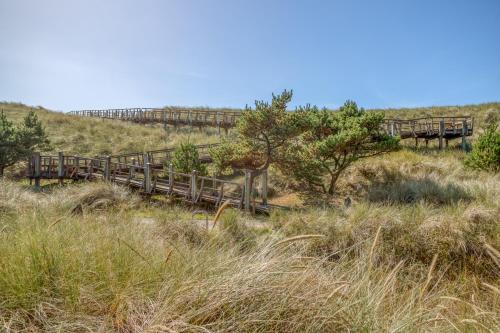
{"x":395,"y":187}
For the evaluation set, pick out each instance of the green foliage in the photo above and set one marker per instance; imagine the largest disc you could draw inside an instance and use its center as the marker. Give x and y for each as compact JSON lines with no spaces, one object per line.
{"x":332,"y":141}
{"x":186,"y":159}
{"x":485,"y":154}
{"x":309,"y":144}
{"x":226,"y":155}
{"x":18,"y":142}
{"x":261,"y":132}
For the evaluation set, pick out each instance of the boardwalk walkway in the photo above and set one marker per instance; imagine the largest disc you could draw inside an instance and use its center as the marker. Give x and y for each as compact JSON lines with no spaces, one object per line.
{"x":150,"y":178}
{"x":146,"y":171}
{"x":428,"y":128}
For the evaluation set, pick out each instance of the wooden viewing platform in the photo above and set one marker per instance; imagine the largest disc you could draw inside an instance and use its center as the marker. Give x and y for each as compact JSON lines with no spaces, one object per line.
{"x":190,"y":187}
{"x":427,"y":128}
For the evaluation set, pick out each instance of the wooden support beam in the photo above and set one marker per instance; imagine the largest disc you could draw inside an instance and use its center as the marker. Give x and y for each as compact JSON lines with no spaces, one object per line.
{"x":148,"y":171}
{"x":60,"y":167}
{"x":147,"y":176}
{"x":107,"y":168}
{"x":264,"y":187}
{"x":464,"y":135}
{"x":247,"y":190}
{"x":441,"y":133}
{"x":170,"y":177}
{"x":37,"y":161}
{"x":77,"y":166}
{"x":193,"y":186}
{"x":90,"y":168}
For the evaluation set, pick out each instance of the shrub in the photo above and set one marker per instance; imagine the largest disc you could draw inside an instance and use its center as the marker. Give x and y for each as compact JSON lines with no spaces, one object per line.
{"x":485,"y":154}
{"x":186,"y":159}
{"x":19,"y":142}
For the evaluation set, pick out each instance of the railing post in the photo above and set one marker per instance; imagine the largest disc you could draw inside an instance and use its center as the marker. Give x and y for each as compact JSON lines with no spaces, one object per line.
{"x":247,"y":190}
{"x":107,"y":168}
{"x":130,"y":173}
{"x":90,"y":168}
{"x":37,"y":161}
{"x":170,"y":177}
{"x":441,"y":133}
{"x":60,"y":167}
{"x":77,"y":165}
{"x":464,"y":134}
{"x":264,"y":187}
{"x":194,"y":190}
{"x":392,"y":128}
{"x":147,"y":177}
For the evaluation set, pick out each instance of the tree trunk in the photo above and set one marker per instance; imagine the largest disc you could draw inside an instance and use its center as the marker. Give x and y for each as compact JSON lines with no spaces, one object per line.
{"x":333,"y":182}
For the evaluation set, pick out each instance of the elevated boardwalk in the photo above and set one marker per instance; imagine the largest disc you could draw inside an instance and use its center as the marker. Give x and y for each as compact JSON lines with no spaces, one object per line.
{"x":149,"y":179}
{"x":167,"y":116}
{"x":161,"y":157}
{"x":427,"y":128}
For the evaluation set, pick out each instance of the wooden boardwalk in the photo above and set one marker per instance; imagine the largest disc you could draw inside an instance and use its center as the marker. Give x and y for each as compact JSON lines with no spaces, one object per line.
{"x":427,"y":128}
{"x":146,"y":171}
{"x":161,"y":157}
{"x":149,"y":179}
{"x":167,"y":116}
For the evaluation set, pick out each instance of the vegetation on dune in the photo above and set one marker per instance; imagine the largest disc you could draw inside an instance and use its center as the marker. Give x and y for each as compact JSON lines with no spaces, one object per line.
{"x":332,"y":141}
{"x":310,"y":144}
{"x":186,"y":159}
{"x":19,"y":142}
{"x":417,"y":248}
{"x":486,"y":152}
{"x":395,"y":266}
{"x":92,"y":136}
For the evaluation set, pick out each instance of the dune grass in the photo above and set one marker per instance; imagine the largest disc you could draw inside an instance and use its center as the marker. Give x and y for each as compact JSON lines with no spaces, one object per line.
{"x":416,"y":250}
{"x":92,"y":136}
{"x":94,"y":257}
{"x":99,"y":137}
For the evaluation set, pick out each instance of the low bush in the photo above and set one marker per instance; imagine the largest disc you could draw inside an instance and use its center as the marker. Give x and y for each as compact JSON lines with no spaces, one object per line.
{"x":185,"y":159}
{"x":485,"y":153}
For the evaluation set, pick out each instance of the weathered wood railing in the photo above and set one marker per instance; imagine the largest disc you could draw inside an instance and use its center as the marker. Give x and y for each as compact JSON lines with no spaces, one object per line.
{"x":442,"y":128}
{"x":426,"y":127}
{"x":160,"y":157}
{"x":192,"y":187}
{"x":172,"y":116}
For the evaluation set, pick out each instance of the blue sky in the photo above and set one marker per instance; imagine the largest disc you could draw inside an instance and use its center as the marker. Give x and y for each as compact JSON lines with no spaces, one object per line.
{"x":98,"y":54}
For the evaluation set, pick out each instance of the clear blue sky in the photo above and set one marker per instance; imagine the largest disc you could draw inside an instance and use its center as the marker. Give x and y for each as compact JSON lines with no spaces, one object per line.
{"x":97,"y":54}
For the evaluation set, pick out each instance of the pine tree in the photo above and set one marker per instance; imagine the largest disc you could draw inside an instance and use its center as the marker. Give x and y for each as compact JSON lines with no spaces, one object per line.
{"x":19,"y":142}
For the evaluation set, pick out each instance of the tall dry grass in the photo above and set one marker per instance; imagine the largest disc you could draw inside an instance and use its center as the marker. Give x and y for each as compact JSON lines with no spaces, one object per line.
{"x":92,"y":136}
{"x":417,"y":250}
{"x":109,"y":267}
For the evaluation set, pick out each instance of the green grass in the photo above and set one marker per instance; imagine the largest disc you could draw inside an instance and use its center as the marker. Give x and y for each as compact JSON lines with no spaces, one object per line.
{"x":417,"y":250}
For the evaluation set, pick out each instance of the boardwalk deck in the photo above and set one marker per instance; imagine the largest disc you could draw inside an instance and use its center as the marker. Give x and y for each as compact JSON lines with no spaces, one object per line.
{"x":160,"y":157}
{"x":190,"y":187}
{"x":427,"y":128}
{"x":175,"y":117}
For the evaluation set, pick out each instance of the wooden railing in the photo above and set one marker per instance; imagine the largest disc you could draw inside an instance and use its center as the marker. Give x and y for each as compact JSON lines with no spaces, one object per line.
{"x":441,"y":128}
{"x":427,"y":127}
{"x":172,"y":116}
{"x":160,"y":157}
{"x":191,"y":187}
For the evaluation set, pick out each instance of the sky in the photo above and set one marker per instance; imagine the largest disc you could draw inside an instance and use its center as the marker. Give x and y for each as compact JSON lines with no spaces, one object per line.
{"x":70,"y":54}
